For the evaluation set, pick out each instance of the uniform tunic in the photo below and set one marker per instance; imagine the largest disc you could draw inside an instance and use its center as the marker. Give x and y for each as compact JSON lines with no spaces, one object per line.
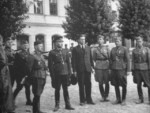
{"x":101,"y":58}
{"x":21,"y":65}
{"x":141,"y":65}
{"x":59,"y":64}
{"x":11,"y":58}
{"x":6,"y":95}
{"x":38,"y":74}
{"x":60,"y":70}
{"x":119,"y":63}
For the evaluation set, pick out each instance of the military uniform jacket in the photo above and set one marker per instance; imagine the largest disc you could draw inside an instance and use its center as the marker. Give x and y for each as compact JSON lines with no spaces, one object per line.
{"x":4,"y":71}
{"x":101,"y":57}
{"x":59,"y":62}
{"x":38,"y":66}
{"x":119,"y":58}
{"x":10,"y":54}
{"x":141,"y":59}
{"x":21,"y":63}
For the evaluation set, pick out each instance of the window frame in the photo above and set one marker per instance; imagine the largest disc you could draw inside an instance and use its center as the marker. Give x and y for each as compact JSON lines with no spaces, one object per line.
{"x":40,"y":10}
{"x":53,"y":4}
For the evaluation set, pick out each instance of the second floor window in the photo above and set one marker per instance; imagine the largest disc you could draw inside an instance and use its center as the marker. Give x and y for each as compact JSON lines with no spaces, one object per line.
{"x":38,"y":6}
{"x":53,"y":7}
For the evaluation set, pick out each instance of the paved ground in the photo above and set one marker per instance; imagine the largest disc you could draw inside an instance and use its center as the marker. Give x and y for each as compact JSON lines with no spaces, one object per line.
{"x":47,"y":101}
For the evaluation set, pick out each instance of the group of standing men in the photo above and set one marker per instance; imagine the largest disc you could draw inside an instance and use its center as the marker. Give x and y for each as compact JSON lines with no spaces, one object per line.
{"x":109,"y":66}
{"x":23,"y":68}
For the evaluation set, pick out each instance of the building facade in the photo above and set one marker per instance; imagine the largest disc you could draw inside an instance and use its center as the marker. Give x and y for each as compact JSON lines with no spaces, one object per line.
{"x":45,"y":19}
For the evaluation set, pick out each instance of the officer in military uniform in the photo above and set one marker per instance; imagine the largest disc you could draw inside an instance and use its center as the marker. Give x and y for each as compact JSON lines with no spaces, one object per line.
{"x":141,"y":67}
{"x":101,"y":57}
{"x":60,"y":70}
{"x":11,"y":57}
{"x":22,"y":71}
{"x":6,"y":95}
{"x":38,"y":75}
{"x":119,"y":64}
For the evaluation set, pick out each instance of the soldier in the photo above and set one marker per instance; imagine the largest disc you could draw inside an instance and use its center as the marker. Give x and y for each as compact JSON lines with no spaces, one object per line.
{"x":119,"y":62}
{"x":60,"y":70}
{"x":72,"y":46}
{"x":38,"y":75}
{"x":101,"y":58}
{"x":22,"y":71}
{"x":6,"y":95}
{"x":11,"y":57}
{"x":140,"y":67}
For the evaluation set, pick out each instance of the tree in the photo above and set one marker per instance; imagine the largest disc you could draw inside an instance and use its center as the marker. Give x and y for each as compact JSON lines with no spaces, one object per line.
{"x":134,"y":18}
{"x":12,"y":14}
{"x":90,"y":17}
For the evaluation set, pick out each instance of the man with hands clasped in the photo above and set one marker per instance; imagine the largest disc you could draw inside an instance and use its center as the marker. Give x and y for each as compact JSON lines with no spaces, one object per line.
{"x":59,"y":64}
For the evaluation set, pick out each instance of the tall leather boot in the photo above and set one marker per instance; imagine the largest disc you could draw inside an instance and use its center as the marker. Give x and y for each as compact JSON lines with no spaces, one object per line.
{"x":66,"y":98}
{"x":67,"y":102}
{"x":34,"y":105}
{"x":27,"y":91}
{"x":124,"y":92}
{"x":57,"y":99}
{"x":149,"y":96}
{"x":101,"y":88}
{"x":140,"y":93}
{"x":118,"y":97}
{"x":17,"y":90}
{"x":56,"y":107}
{"x":106,"y":92}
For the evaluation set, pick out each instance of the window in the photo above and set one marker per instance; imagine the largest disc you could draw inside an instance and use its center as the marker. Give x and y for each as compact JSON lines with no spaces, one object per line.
{"x":38,"y":6}
{"x":53,"y":7}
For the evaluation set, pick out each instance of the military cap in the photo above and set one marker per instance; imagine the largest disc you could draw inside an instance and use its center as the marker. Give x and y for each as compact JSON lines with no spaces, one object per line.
{"x":24,"y":42}
{"x":37,"y":42}
{"x":57,"y":37}
{"x":9,"y":38}
{"x":100,"y":36}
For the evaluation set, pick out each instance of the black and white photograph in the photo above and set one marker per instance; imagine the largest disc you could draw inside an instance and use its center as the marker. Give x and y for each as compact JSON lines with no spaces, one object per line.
{"x":74,"y":56}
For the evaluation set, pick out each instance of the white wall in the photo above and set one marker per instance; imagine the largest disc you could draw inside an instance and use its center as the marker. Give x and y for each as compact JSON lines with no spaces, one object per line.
{"x":46,"y":24}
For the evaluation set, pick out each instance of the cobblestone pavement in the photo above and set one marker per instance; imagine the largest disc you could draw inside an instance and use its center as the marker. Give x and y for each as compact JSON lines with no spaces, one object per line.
{"x":47,"y":100}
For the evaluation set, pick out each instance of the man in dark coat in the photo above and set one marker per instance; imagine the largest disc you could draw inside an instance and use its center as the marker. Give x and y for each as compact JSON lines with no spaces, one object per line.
{"x":141,"y":67}
{"x":22,"y":71}
{"x":6,"y":95}
{"x":38,"y":75}
{"x":59,"y":63}
{"x":82,"y":67}
{"x":119,"y":64}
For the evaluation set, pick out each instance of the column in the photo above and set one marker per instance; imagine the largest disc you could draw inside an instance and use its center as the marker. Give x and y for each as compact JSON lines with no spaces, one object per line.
{"x":46,"y":7}
{"x":48,"y":42}
{"x":31,"y":7}
{"x":31,"y":43}
{"x":61,"y":7}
